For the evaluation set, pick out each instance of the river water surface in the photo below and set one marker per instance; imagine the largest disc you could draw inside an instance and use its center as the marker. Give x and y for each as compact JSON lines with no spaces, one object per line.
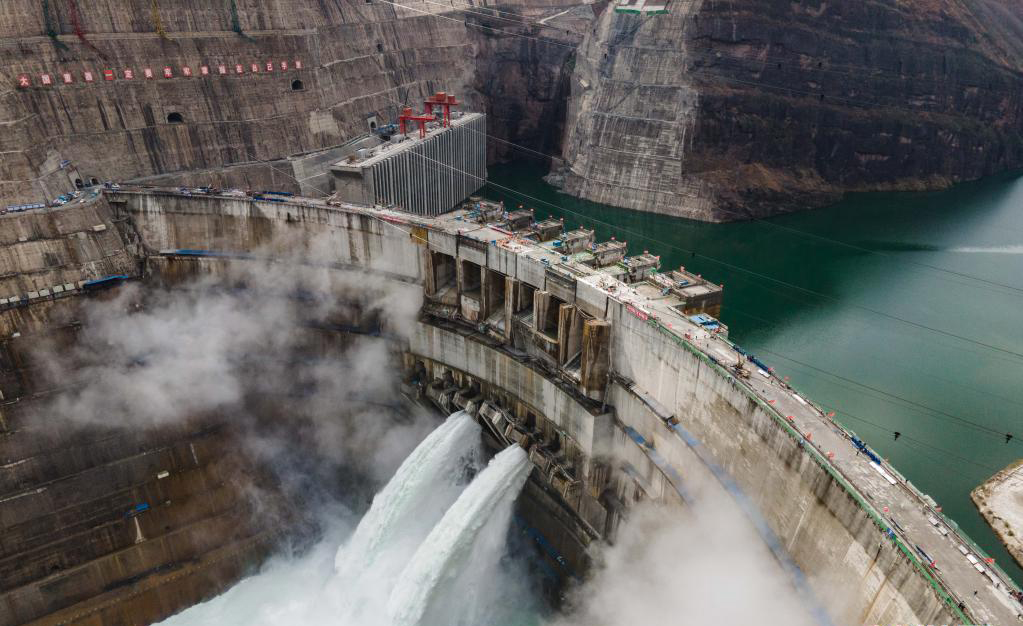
{"x":902,"y":312}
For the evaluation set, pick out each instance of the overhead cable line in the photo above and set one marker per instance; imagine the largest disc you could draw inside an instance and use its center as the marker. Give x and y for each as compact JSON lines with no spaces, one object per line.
{"x":846,"y":413}
{"x":933,"y":454}
{"x":923,"y":407}
{"x":490,"y":28}
{"x":695,"y":254}
{"x":709,"y":53}
{"x":852,"y":246}
{"x":768,"y":324}
{"x":889,"y":397}
{"x":858,"y":71}
{"x":747,"y":217}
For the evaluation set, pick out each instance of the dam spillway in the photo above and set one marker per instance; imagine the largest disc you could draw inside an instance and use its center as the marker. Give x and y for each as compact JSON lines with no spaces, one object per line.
{"x":616,"y":392}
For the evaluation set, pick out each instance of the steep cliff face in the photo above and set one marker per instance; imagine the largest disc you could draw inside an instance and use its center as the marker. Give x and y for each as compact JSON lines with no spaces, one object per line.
{"x":633,"y":112}
{"x":524,"y":60}
{"x":359,"y":59}
{"x":724,"y":110}
{"x":716,"y":110}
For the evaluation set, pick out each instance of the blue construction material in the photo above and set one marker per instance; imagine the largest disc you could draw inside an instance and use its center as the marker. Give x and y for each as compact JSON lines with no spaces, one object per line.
{"x":263,"y":198}
{"x":924,"y":554}
{"x":673,"y":476}
{"x":138,"y":508}
{"x":705,"y":320}
{"x":754,"y":515}
{"x":105,"y":281}
{"x":547,"y":548}
{"x":212,"y":253}
{"x":862,"y":447}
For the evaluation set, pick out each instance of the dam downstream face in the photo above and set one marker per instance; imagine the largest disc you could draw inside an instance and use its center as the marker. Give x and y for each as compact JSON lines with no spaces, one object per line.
{"x":311,"y":414}
{"x":868,"y":252}
{"x":434,"y":550}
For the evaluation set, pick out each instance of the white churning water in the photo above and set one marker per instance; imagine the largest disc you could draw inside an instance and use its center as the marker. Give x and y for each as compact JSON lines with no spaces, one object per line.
{"x":401,"y":517}
{"x":427,"y":552}
{"x":450,"y":580}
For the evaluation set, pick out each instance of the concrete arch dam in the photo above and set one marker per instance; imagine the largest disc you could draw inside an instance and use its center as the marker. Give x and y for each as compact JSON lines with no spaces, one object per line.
{"x":617,"y":394}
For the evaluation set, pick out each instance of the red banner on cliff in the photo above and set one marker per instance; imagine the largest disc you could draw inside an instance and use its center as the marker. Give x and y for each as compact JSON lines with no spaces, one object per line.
{"x":640,"y":314}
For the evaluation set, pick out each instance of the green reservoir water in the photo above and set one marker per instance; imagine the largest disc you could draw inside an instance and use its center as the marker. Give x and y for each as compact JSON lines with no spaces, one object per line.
{"x":902,"y":312}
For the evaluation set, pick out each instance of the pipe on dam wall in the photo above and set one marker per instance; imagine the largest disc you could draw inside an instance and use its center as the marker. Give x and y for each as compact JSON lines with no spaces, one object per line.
{"x":830,"y":531}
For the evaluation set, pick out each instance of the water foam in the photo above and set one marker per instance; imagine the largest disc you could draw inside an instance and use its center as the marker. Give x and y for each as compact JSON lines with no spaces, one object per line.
{"x":451,"y":579}
{"x":400,"y":518}
{"x":350,"y":585}
{"x":989,"y":249}
{"x":416,"y":497}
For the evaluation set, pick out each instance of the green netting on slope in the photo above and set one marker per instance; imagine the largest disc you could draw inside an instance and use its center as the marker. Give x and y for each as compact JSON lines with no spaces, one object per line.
{"x":51,"y":29}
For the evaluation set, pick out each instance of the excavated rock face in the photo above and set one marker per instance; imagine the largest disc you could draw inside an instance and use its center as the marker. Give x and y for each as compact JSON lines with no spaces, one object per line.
{"x":716,"y":110}
{"x":359,"y":59}
{"x":523,"y":69}
{"x":725,"y":110}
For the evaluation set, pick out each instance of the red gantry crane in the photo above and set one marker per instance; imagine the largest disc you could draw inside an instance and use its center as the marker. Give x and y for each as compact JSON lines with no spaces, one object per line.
{"x":443,"y":100}
{"x":422,"y":119}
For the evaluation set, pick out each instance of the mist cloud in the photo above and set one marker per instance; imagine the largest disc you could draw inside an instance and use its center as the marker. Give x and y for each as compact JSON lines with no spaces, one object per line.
{"x":672,"y":566}
{"x":247,"y":343}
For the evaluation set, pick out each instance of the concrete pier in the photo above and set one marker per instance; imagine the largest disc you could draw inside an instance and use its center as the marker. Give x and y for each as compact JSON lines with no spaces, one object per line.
{"x":687,"y":392}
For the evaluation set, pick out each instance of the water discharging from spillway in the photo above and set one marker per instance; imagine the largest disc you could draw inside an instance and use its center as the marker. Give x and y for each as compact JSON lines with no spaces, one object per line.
{"x":402,"y":515}
{"x":427,"y":553}
{"x":458,"y":555}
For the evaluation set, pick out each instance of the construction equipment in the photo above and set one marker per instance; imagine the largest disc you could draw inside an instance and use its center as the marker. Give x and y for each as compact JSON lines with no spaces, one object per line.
{"x":420,"y":118}
{"x":443,"y":100}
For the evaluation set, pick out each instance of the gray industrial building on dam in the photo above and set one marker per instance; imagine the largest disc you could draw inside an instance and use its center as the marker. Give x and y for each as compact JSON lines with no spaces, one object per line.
{"x":612,"y":372}
{"x":427,"y":175}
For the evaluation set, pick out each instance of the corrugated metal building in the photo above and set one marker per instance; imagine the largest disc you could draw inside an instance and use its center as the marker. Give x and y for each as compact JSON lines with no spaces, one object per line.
{"x":427,"y":176}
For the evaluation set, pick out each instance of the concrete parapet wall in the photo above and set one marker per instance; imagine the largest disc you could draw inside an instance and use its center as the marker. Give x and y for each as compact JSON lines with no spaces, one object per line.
{"x":828,"y":529}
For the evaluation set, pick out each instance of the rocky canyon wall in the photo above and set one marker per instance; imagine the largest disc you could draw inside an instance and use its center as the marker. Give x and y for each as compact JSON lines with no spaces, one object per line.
{"x":347,"y":61}
{"x":726,"y":110}
{"x":715,"y":110}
